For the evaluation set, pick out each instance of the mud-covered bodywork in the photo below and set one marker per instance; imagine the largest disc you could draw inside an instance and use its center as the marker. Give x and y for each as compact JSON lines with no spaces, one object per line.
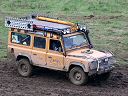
{"x":56,"y":45}
{"x":78,"y":54}
{"x":96,"y":61}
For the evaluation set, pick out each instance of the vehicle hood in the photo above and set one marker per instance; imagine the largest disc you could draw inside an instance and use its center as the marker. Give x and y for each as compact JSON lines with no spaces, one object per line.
{"x":89,"y":54}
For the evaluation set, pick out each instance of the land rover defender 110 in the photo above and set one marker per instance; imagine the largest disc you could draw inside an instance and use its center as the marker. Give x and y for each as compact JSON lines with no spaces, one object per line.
{"x":58,"y":45}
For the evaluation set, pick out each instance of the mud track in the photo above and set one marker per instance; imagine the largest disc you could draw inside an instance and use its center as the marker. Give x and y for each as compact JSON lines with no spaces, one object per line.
{"x":52,"y":83}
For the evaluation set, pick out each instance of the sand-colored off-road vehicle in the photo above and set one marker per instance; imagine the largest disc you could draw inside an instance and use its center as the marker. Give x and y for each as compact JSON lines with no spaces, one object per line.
{"x":58,"y":45}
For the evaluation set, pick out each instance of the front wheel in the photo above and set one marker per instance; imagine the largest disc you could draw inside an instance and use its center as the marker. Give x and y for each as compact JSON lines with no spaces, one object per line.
{"x":77,"y":76}
{"x":24,"y":68}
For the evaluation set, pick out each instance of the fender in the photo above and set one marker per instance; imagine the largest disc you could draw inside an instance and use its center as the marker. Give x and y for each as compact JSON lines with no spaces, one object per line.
{"x":85,"y":67}
{"x":25,"y":55}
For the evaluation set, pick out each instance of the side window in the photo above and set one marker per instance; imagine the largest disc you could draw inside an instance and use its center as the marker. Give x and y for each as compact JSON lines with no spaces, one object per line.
{"x":19,"y":38}
{"x":55,"y":45}
{"x":39,"y":42}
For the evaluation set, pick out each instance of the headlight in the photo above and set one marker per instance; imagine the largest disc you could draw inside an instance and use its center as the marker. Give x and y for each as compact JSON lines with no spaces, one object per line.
{"x":93,"y":64}
{"x":106,"y":60}
{"x":103,"y":61}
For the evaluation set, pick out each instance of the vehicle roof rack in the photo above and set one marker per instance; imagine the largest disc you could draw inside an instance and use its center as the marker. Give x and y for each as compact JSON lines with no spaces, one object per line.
{"x":40,"y":23}
{"x":19,"y":23}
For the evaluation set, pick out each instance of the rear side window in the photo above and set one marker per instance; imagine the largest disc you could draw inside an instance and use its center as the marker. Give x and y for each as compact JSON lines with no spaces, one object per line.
{"x":19,"y":38}
{"x":39,"y":42}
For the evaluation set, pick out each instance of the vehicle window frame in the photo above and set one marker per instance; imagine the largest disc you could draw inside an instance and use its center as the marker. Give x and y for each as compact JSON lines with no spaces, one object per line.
{"x":54,"y":50}
{"x":39,"y":37}
{"x":74,"y":34}
{"x":20,"y":43}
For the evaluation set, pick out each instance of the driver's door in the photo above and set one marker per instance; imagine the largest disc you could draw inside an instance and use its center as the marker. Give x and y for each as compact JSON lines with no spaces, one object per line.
{"x":55,"y":57}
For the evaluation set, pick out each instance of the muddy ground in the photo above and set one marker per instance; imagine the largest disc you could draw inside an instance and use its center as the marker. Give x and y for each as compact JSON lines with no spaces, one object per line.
{"x":52,"y":83}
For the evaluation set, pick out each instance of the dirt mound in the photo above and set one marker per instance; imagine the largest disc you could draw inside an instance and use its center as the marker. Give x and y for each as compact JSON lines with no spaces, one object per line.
{"x":53,"y":83}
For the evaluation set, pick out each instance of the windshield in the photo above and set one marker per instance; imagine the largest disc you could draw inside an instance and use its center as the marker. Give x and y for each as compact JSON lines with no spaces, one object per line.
{"x":75,"y":41}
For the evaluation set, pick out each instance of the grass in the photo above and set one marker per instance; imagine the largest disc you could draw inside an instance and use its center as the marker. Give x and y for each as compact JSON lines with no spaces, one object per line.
{"x":108,"y":26}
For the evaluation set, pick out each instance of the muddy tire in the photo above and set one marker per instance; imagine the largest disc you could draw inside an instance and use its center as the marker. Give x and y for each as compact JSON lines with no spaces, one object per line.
{"x":24,"y":68}
{"x":77,"y":76}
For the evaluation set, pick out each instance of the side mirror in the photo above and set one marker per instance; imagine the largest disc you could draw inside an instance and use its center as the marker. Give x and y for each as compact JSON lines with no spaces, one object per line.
{"x":87,"y":31}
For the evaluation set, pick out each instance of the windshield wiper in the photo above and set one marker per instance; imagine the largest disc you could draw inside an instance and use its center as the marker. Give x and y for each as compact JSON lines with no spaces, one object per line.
{"x":82,"y":44}
{"x":72,"y":46}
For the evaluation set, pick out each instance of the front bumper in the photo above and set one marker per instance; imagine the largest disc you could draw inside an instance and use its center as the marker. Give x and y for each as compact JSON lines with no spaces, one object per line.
{"x":102,"y":65}
{"x":105,"y":69}
{"x":101,"y":70}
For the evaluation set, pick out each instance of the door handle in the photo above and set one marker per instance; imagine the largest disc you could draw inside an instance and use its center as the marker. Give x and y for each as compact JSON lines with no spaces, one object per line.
{"x":34,"y":54}
{"x":49,"y":57}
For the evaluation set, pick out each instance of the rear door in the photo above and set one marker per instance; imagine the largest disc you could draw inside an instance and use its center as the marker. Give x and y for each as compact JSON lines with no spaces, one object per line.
{"x":39,"y":51}
{"x":19,"y":44}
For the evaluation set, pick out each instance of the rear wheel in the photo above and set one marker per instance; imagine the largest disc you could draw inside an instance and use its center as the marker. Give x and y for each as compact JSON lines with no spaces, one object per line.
{"x":24,"y":68}
{"x":77,"y":76}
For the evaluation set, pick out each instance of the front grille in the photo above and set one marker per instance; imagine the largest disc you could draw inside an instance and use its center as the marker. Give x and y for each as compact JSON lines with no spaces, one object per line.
{"x":103,"y":61}
{"x":104,"y":64}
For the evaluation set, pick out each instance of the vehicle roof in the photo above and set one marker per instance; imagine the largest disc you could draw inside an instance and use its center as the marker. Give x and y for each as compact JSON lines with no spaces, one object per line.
{"x":50,"y":24}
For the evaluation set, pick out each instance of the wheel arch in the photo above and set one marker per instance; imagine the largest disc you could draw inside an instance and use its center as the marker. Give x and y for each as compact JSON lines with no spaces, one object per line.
{"x":76,"y":64}
{"x":19,"y":57}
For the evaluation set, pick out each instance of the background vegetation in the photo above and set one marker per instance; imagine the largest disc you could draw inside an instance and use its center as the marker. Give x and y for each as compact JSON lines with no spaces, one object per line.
{"x":106,"y":19}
